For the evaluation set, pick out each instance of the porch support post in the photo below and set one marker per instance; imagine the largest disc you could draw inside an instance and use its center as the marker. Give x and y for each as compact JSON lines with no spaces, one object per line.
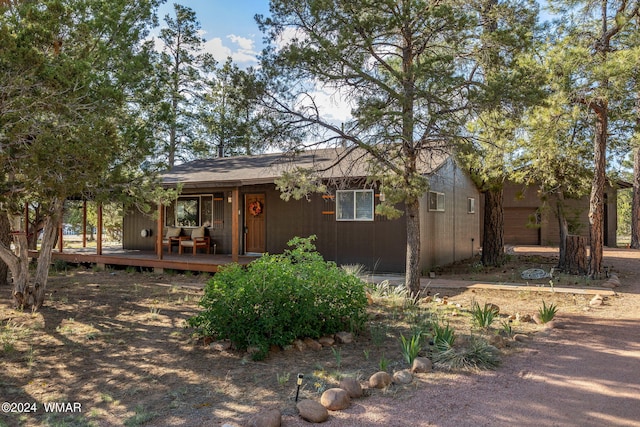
{"x":84,"y":223}
{"x":159,"y":231}
{"x":235,"y":224}
{"x":60,"y":238}
{"x":26,"y":219}
{"x":99,"y":237}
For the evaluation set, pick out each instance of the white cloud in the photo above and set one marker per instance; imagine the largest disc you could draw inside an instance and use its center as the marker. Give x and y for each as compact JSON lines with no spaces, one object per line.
{"x":240,"y":49}
{"x":244,"y":43}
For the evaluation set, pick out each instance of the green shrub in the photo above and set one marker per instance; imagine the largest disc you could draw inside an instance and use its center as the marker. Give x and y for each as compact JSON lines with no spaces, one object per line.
{"x":278,"y":298}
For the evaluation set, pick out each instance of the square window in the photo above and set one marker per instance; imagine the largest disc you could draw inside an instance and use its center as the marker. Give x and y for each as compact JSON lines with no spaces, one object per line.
{"x":354,"y":205}
{"x":436,"y":201}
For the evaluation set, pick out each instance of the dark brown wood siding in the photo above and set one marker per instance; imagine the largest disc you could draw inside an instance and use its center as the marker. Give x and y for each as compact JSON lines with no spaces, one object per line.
{"x":379,"y":245}
{"x":133,"y":224}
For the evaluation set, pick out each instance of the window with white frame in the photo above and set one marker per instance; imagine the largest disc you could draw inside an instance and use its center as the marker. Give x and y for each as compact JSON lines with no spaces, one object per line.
{"x":471,"y":205}
{"x":354,"y":205}
{"x":436,"y":201}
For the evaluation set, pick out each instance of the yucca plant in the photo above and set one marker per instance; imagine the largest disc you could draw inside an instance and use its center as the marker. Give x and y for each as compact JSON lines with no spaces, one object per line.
{"x":443,"y":335}
{"x":478,"y":355}
{"x":411,"y":347}
{"x":547,"y":312}
{"x":484,"y":316}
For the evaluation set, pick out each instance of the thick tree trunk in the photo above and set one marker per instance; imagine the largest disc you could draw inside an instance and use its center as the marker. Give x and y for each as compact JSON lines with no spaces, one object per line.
{"x":412,"y":275}
{"x":493,"y":236}
{"x":564,"y":231}
{"x":635,"y":203}
{"x":596,"y":200}
{"x":49,"y":237}
{"x":24,"y":295}
{"x":5,"y":240}
{"x":576,"y":259}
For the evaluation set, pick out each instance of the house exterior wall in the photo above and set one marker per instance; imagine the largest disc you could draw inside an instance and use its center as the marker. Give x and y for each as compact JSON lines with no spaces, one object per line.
{"x":453,"y":234}
{"x":522,"y":206}
{"x":379,"y":245}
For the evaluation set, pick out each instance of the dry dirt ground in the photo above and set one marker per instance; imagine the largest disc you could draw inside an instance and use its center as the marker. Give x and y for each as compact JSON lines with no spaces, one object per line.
{"x":112,"y":348}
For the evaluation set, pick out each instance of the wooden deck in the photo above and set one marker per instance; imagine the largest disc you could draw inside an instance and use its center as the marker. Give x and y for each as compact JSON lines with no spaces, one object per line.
{"x":148,"y":259}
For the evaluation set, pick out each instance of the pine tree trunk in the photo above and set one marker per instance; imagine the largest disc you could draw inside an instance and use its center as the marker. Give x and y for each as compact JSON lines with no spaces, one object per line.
{"x":576,"y":258}
{"x":635,"y":203}
{"x":5,"y":240}
{"x":49,"y":237}
{"x":596,"y":201}
{"x":564,"y":231}
{"x":493,"y":238}
{"x":412,"y":274}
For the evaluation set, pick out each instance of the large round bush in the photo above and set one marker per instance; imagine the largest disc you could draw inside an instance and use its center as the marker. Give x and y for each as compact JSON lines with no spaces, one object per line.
{"x":278,"y":298}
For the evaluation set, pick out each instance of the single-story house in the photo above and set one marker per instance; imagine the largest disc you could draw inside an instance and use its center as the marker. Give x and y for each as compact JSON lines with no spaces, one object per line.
{"x":237,"y":202}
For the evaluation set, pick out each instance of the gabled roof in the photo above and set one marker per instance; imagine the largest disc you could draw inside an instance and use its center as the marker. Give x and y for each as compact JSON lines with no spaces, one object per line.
{"x":265,"y":168}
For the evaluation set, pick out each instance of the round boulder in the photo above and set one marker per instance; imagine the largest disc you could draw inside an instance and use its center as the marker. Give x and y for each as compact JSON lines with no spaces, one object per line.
{"x":351,"y":386}
{"x":402,"y":377}
{"x":380,"y":380}
{"x":421,"y":365}
{"x":269,"y":418}
{"x":312,"y":411}
{"x":335,"y":399}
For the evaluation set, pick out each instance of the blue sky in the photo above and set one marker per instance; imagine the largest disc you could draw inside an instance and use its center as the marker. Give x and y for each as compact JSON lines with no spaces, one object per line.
{"x":228,"y":27}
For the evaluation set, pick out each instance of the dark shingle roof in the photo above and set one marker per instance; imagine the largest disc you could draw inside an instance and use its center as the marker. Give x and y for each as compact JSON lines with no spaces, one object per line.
{"x":265,"y":168}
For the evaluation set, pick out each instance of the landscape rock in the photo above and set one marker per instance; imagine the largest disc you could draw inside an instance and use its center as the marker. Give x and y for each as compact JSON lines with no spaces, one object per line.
{"x":421,"y":365}
{"x":596,"y":301}
{"x":537,"y":319}
{"x":402,"y":377}
{"x":312,"y":411}
{"x":335,"y":399}
{"x":326,"y":341}
{"x":525,"y":318}
{"x":351,"y":386}
{"x":380,"y":380}
{"x":344,"y":337}
{"x":521,"y":338}
{"x":550,"y":325}
{"x":498,"y":341}
{"x":220,"y":345}
{"x":494,"y":307}
{"x":312,"y":344}
{"x":268,"y":418}
{"x":299,"y":344}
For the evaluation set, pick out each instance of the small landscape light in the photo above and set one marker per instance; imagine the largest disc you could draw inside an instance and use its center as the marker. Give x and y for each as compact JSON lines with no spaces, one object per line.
{"x":299,"y":382}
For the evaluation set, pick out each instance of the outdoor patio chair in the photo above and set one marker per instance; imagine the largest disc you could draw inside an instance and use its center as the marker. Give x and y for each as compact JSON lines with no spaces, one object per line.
{"x":198,"y":240}
{"x":171,"y":238}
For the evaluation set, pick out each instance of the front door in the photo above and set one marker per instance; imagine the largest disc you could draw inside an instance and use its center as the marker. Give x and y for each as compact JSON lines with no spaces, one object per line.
{"x":254,"y":214}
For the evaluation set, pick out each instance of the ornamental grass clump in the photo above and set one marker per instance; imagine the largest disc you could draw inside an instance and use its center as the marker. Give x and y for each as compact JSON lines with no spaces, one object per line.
{"x":478,"y":354}
{"x":411,"y":347}
{"x":547,"y":312}
{"x":484,"y":316}
{"x":278,"y":298}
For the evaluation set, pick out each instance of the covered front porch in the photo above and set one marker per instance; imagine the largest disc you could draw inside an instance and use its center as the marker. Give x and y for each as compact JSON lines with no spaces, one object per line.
{"x":115,"y":256}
